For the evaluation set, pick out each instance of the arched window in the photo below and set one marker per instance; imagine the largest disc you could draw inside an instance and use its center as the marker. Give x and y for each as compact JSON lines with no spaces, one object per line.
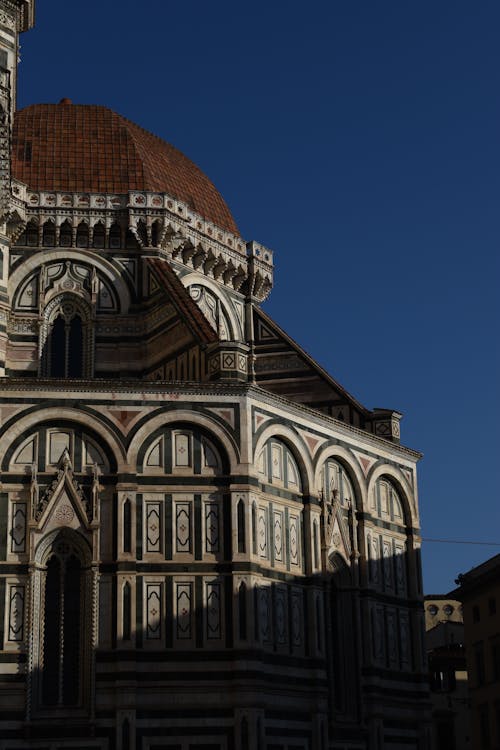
{"x":98,"y":235}
{"x":62,"y":653}
{"x":60,"y":638}
{"x":32,"y":234}
{"x":82,"y":235}
{"x":115,"y":237}
{"x":66,"y":339}
{"x":66,"y":234}
{"x":49,"y":234}
{"x":66,"y":344}
{"x":155,"y":233}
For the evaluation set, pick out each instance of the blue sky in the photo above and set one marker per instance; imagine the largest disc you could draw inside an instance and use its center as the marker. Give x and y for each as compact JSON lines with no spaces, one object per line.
{"x":359,"y":141}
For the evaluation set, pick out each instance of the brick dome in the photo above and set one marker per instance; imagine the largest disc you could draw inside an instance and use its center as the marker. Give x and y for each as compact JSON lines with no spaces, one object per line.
{"x":91,"y":149}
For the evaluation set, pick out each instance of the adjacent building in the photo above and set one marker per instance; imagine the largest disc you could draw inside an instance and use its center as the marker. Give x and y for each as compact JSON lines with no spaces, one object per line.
{"x":206,"y":542}
{"x":444,"y":639}
{"x":479,"y":592}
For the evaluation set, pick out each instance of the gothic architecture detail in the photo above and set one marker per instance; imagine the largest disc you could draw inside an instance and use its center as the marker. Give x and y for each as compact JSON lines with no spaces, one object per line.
{"x":205,"y":540}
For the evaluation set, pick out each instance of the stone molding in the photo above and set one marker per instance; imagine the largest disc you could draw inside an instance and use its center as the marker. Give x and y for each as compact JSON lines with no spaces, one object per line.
{"x":183,"y":236}
{"x":172,"y":391}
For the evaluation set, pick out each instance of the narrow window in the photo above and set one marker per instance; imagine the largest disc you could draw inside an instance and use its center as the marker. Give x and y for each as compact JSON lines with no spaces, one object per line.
{"x":66,"y":235}
{"x":66,"y":348}
{"x":49,"y":234}
{"x":32,"y":235}
{"x":155,"y":233}
{"x":62,"y":632}
{"x":58,"y":348}
{"x":75,"y":348}
{"x":126,"y":734}
{"x":82,"y":235}
{"x":254,"y":529}
{"x":242,"y":612}
{"x":98,"y":237}
{"x":126,"y":614}
{"x":241,"y":525}
{"x":127,"y":526}
{"x":244,"y":734}
{"x":115,"y":237}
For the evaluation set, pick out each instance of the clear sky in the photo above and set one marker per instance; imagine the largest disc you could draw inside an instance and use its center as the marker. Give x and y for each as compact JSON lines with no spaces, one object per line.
{"x":359,"y":141}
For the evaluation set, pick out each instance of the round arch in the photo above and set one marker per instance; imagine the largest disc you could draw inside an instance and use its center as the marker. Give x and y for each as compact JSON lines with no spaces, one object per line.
{"x":193,"y":278}
{"x":296,"y":445}
{"x":183,"y":425}
{"x":111,"y":273}
{"x":401,"y":483}
{"x":18,"y":427}
{"x":187,"y":418}
{"x":346,"y":458}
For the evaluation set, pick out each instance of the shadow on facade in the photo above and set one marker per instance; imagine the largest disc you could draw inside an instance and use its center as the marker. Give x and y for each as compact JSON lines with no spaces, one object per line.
{"x":187,"y":660}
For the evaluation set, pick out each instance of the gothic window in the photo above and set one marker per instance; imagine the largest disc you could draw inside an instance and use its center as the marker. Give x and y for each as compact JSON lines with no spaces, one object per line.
{"x":66,"y":339}
{"x":32,"y":234}
{"x":99,"y":236}
{"x":49,"y":234}
{"x":62,"y":625}
{"x":115,"y":235}
{"x":155,"y":233}
{"x":66,"y":234}
{"x":61,"y":637}
{"x":82,"y":235}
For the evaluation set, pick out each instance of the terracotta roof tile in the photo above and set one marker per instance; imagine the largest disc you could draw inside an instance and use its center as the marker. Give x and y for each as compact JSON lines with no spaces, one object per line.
{"x":91,"y":149}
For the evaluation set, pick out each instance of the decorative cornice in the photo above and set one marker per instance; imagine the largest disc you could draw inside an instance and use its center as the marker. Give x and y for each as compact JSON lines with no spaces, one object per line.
{"x":172,"y":389}
{"x":183,"y":237}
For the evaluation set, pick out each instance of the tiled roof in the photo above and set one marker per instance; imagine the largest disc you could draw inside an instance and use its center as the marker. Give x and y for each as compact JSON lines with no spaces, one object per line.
{"x":90,"y":149}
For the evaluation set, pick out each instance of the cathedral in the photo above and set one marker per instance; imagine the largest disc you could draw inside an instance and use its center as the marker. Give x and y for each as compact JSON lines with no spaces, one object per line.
{"x":206,"y":543}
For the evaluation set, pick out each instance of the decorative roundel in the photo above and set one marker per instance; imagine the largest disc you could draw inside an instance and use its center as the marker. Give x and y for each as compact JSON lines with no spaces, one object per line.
{"x":432,"y":610}
{"x":64,"y":514}
{"x":448,"y":610}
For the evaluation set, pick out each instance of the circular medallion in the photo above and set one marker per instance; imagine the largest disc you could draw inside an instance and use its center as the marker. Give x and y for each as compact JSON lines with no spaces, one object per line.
{"x":64,"y":514}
